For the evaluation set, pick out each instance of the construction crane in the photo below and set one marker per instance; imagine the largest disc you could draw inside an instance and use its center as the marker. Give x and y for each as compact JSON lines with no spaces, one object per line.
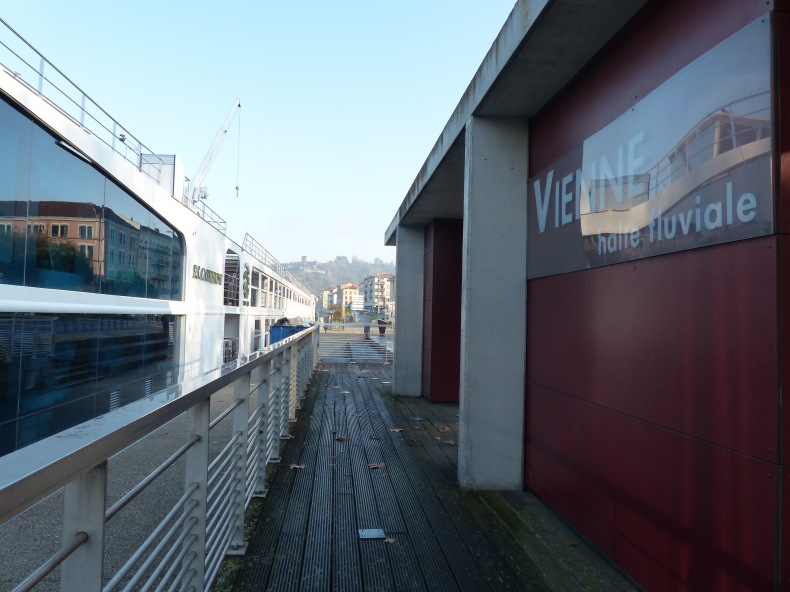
{"x":197,"y":190}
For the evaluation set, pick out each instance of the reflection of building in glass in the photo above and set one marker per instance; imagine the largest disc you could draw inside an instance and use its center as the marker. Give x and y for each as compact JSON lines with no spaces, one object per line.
{"x":59,"y":370}
{"x":109,"y":251}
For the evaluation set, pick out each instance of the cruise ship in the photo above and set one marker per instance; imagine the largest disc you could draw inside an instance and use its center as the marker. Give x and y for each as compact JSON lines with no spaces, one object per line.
{"x":116,"y":279}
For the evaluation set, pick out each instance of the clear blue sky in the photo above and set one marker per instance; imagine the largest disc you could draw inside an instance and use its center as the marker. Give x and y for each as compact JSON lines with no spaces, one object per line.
{"x":341,"y":101}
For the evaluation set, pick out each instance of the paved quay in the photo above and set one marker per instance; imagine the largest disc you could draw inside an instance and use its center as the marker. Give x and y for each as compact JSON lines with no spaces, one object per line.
{"x":360,"y":458}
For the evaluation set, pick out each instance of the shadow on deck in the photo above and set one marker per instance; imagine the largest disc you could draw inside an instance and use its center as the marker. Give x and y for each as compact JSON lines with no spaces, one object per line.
{"x":360,"y":458}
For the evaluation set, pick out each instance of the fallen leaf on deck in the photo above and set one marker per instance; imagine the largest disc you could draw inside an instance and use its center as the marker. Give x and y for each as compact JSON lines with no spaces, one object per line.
{"x":389,"y":540}
{"x":451,"y":442}
{"x":377,"y":465}
{"x":297,"y":466}
{"x":446,"y":430}
{"x":341,"y":438}
{"x":396,"y":429}
{"x":572,"y":543}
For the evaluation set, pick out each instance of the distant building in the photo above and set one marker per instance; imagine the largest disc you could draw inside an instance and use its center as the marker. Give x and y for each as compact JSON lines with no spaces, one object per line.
{"x":377,"y":291}
{"x":346,"y":294}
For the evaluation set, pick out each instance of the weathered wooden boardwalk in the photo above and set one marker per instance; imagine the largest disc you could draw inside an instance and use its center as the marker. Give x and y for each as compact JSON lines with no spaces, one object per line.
{"x":362,"y":459}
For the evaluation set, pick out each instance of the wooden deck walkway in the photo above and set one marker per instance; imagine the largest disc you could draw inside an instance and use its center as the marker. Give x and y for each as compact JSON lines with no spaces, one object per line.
{"x":360,"y":458}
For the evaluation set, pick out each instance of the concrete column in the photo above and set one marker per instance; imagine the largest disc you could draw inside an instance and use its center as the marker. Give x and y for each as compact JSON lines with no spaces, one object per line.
{"x":409,"y":260}
{"x":493,"y":305}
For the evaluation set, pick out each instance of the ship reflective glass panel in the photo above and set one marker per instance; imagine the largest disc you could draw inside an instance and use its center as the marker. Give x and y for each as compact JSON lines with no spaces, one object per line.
{"x":71,"y":228}
{"x":60,"y":370}
{"x":688,"y":166}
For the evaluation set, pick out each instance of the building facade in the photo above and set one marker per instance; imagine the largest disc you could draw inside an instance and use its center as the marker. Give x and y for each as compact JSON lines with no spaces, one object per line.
{"x":377,"y":291}
{"x":618,"y":170}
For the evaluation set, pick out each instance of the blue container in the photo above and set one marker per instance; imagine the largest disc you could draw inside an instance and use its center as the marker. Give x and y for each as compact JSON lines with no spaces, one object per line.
{"x":280,"y":332}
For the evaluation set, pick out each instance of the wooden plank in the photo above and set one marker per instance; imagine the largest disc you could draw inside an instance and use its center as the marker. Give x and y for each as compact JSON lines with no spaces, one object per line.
{"x":266,"y":538}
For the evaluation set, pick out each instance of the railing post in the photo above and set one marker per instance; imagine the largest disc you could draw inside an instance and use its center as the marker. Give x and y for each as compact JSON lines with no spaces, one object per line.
{"x":41,"y":77}
{"x":302,"y":370}
{"x":84,"y":504}
{"x":241,"y":392}
{"x":196,"y":472}
{"x":271,"y":411}
{"x":280,"y":407}
{"x":293,"y":387}
{"x":316,"y":343}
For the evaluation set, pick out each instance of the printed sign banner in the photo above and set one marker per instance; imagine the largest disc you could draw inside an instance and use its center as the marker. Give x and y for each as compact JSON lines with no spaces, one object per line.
{"x":688,"y":166}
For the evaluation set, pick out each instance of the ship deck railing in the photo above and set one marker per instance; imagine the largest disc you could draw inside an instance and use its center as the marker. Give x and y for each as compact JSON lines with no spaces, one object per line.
{"x":152,"y":495}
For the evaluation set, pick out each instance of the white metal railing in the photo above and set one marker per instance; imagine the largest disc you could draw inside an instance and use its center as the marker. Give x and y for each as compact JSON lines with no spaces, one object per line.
{"x":369,"y":342}
{"x":254,"y":248}
{"x":185,"y":550}
{"x":27,"y":65}
{"x":31,"y":68}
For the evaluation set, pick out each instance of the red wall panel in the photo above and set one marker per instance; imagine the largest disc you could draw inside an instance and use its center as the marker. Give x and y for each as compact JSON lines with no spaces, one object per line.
{"x":675,"y":512}
{"x":782,"y":69}
{"x":660,"y":40}
{"x":442,"y":310}
{"x":652,"y":410}
{"x":687,"y":341}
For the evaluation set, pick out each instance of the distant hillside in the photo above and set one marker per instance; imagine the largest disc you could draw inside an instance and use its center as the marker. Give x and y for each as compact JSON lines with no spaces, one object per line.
{"x":319,"y":275}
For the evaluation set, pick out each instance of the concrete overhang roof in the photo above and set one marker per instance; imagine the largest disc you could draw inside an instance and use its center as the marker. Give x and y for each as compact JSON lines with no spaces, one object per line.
{"x":541,"y":47}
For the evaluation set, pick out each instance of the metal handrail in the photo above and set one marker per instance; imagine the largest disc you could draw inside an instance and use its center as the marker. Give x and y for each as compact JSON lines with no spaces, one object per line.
{"x":368,"y":342}
{"x":47,"y":568}
{"x":137,"y":489}
{"x":118,"y":133}
{"x":254,"y":248}
{"x":221,"y":513}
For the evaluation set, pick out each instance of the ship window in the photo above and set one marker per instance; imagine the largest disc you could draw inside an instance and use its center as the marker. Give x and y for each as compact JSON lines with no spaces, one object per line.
{"x":41,"y":181}
{"x":64,"y":369}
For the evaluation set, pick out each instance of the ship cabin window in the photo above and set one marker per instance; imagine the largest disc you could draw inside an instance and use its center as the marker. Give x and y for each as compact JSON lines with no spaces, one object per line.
{"x":254,"y":284}
{"x":63,"y":369}
{"x":44,"y":188}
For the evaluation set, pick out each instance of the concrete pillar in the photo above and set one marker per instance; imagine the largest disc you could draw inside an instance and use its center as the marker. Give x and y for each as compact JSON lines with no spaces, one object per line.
{"x":409,"y":260}
{"x":493,"y":305}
